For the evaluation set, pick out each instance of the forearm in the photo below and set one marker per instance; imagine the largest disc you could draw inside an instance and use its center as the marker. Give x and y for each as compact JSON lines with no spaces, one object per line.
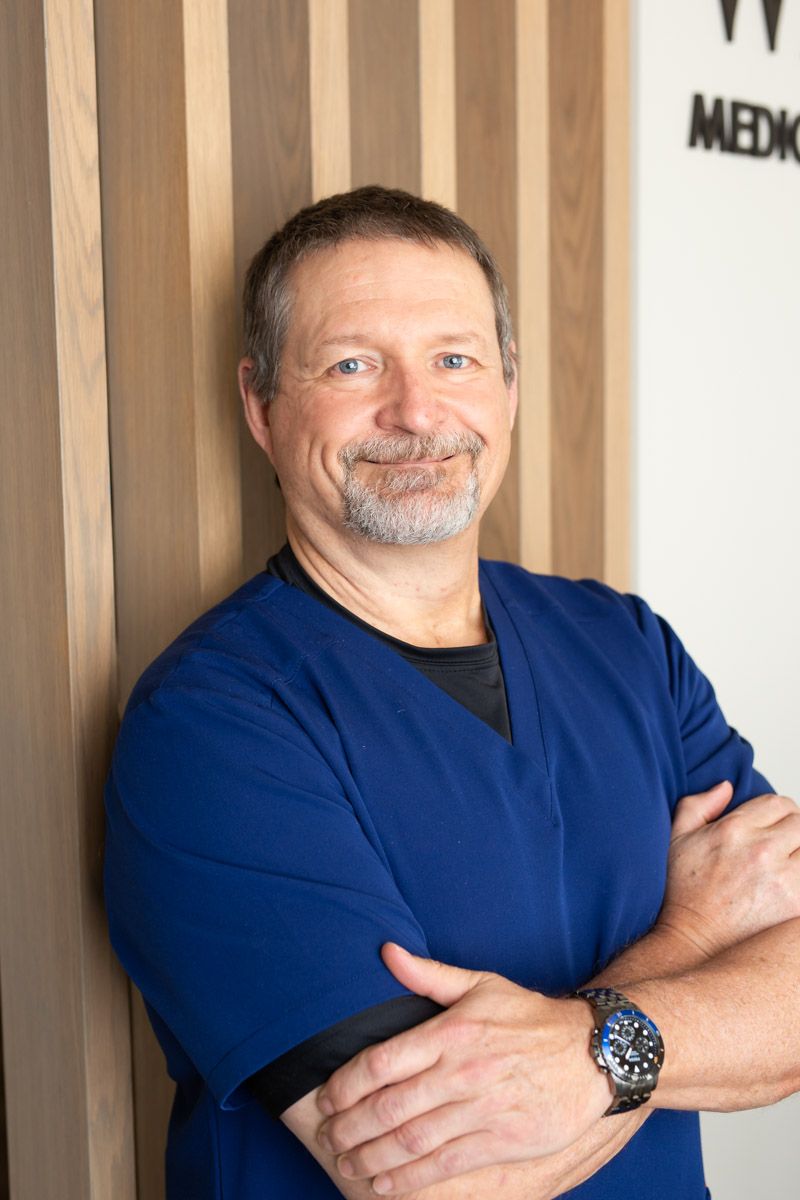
{"x":660,"y":952}
{"x":731,"y":1026}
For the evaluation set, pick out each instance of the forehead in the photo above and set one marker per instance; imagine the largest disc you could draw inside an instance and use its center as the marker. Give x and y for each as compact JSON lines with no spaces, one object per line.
{"x":387,"y":280}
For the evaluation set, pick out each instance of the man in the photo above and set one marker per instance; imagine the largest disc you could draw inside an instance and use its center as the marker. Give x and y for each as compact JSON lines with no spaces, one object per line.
{"x":383,"y":752}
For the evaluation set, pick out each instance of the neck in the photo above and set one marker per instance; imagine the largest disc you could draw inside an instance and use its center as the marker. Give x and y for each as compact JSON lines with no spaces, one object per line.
{"x":424,"y":595}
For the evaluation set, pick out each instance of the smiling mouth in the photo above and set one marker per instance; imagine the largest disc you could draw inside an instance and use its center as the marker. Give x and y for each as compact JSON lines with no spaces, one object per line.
{"x":409,"y":462}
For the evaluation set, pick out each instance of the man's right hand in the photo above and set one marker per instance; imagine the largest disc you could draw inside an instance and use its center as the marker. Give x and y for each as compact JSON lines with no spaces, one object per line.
{"x":730,"y":877}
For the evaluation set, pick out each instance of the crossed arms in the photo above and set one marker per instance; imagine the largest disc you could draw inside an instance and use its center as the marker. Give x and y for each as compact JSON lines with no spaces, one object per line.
{"x":500,"y":1089}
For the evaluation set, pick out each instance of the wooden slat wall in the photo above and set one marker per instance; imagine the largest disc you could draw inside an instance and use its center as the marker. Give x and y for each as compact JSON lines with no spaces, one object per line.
{"x":66,"y":1041}
{"x":215,"y":122}
{"x":576,"y":286}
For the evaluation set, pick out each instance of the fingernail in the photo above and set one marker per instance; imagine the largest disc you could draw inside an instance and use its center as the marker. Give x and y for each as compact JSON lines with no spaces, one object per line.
{"x":382,"y":1184}
{"x":325,"y":1142}
{"x":345,"y":1167}
{"x":324,"y":1105}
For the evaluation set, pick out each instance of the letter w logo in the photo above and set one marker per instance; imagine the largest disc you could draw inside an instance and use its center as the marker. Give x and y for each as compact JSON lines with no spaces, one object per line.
{"x":772,"y":13}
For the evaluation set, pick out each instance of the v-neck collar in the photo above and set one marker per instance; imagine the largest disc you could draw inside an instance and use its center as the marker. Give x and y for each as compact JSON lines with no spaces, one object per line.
{"x":522,"y":698}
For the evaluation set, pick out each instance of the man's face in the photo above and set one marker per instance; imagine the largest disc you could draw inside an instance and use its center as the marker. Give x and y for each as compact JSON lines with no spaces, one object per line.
{"x":392,"y":419}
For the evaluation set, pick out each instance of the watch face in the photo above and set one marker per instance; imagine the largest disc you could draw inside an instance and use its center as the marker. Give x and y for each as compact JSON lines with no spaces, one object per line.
{"x":631,"y":1045}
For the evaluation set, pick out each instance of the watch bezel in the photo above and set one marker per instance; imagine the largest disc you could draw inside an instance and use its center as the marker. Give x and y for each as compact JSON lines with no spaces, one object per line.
{"x":605,"y":1058}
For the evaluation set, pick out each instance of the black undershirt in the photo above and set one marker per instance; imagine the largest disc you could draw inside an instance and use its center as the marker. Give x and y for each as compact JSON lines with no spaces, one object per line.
{"x":471,"y":675}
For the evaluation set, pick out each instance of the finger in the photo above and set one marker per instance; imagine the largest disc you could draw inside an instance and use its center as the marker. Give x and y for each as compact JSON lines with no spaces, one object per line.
{"x":701,"y":808}
{"x":762,"y":812}
{"x":409,"y":1142}
{"x":787,"y":830}
{"x":389,"y":1108}
{"x":398,"y":1058}
{"x":454,"y":1158}
{"x":427,"y":977}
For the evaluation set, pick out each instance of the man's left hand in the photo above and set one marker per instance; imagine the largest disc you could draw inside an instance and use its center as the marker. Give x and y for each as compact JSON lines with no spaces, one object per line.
{"x":505,"y":1075}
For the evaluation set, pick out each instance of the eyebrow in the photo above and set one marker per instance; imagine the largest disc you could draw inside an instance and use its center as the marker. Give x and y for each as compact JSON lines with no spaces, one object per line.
{"x":348,"y":338}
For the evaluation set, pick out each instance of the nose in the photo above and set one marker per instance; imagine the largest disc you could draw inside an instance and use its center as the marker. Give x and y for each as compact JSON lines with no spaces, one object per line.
{"x":408,"y":401}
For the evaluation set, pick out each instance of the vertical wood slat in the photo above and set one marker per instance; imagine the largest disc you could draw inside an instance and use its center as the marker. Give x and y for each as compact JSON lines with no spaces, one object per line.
{"x":487,"y":186}
{"x":271,"y":140}
{"x":329,"y":76}
{"x":616,"y":292}
{"x":168,"y":242}
{"x":533,"y":286}
{"x":140,"y":71}
{"x":576,"y":294}
{"x":212,"y":298}
{"x":437,"y":101}
{"x":64,"y":997}
{"x":384,"y":93}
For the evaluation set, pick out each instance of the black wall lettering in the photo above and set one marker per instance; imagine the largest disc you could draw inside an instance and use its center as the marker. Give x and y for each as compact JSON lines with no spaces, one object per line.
{"x":757,"y":126}
{"x":729,"y":16}
{"x":772,"y":13}
{"x":795,"y":138}
{"x":708,"y":126}
{"x":739,"y":127}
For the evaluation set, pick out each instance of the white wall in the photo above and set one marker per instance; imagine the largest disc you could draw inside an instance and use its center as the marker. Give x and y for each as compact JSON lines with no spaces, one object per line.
{"x":717,"y":422}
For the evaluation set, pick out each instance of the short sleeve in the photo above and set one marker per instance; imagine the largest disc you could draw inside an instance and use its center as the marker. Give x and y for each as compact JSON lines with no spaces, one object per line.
{"x":244,"y":898}
{"x":712,"y":749}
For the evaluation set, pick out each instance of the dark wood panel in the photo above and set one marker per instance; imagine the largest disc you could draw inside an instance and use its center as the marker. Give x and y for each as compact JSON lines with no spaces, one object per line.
{"x":148,"y":322}
{"x":146,"y":251}
{"x":576,"y":292}
{"x":271,"y":144}
{"x":487,"y":188}
{"x":40,"y":1014}
{"x":384,"y":93}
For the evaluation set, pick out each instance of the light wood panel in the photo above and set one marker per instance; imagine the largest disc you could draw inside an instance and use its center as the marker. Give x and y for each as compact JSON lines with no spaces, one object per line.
{"x":533,"y":285}
{"x":329,"y":81}
{"x":211,"y":299}
{"x":437,"y":101}
{"x":65,"y":1011}
{"x":616,"y":294}
{"x":384,"y":93}
{"x":576,"y":286}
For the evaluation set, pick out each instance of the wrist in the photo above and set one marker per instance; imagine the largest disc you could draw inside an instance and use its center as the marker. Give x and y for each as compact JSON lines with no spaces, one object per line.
{"x":626,"y":1046}
{"x":689,"y":941}
{"x":593,"y":1084}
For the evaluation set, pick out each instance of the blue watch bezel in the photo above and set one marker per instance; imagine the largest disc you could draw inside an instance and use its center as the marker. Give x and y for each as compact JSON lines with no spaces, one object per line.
{"x":605,"y":1042}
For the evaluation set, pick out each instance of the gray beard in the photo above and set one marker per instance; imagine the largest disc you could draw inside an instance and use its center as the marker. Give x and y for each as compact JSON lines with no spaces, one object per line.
{"x":410,"y":507}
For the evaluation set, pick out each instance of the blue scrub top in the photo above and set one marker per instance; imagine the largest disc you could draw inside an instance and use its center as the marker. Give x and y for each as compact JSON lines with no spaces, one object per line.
{"x":287,"y":793}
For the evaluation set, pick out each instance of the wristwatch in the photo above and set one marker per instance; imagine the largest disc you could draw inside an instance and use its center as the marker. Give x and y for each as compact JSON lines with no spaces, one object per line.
{"x":626,"y":1045}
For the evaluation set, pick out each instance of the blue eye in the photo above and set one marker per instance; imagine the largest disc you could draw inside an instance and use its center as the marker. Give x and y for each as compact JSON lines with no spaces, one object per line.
{"x":348,"y":366}
{"x":454,"y":361}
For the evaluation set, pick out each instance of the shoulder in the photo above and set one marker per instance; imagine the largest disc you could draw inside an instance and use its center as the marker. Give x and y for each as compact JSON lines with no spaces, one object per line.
{"x":580,"y":599}
{"x":255,"y":637}
{"x":617,"y":623}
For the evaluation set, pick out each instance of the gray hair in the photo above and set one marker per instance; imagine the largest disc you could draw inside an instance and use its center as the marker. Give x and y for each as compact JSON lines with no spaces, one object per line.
{"x":367,"y":213}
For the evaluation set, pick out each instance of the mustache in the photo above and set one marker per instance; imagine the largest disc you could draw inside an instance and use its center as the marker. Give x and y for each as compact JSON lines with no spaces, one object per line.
{"x":409,"y":448}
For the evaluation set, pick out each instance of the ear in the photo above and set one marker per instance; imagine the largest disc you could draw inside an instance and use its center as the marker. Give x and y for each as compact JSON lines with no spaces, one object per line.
{"x":513,"y":396}
{"x":256,"y":412}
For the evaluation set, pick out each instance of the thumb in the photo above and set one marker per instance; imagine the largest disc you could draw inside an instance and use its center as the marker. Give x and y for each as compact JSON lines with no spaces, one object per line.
{"x":427,"y":977}
{"x":695,"y":811}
